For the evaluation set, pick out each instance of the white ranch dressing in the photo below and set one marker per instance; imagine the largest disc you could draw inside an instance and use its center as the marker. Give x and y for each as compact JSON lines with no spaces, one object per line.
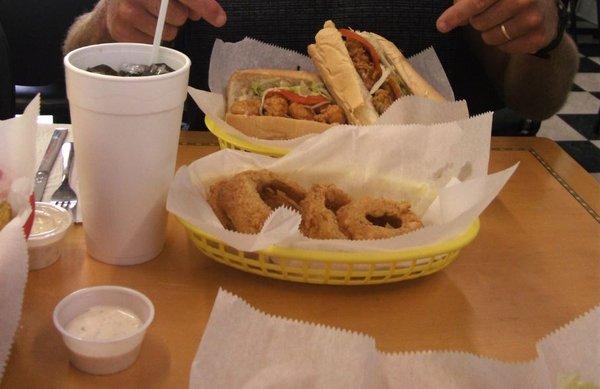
{"x":42,"y":223}
{"x":104,"y":322}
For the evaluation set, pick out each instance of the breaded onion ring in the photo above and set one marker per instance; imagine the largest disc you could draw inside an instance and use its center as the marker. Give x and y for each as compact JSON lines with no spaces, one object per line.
{"x":213,"y":200}
{"x":318,"y":212}
{"x":241,"y":198}
{"x":276,"y":198}
{"x":378,"y":218}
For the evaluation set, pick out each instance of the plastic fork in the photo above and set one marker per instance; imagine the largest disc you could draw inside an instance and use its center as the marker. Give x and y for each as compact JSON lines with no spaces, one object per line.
{"x":64,"y":196}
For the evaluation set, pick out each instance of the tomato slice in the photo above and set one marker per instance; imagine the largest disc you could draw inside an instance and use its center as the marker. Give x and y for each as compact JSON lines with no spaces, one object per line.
{"x":296,"y":98}
{"x":349,"y":34}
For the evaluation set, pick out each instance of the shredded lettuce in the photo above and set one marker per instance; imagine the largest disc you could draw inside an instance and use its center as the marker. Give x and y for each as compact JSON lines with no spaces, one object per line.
{"x":259,"y":87}
{"x":385,"y":72}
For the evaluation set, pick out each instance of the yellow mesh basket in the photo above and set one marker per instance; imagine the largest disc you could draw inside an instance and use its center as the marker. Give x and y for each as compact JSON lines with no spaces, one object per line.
{"x":228,"y":141}
{"x":335,"y":267}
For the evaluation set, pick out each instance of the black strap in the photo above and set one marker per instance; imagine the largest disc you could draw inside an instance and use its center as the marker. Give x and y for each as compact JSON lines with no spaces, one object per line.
{"x":562,"y":26}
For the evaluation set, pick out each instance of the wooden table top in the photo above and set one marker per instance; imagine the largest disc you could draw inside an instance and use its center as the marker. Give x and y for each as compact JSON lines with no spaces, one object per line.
{"x":533,"y":268}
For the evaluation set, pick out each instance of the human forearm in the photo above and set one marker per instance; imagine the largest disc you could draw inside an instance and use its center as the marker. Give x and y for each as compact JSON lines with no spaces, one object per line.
{"x":88,"y":29}
{"x":504,"y":33}
{"x":534,"y":87}
{"x":537,"y":87}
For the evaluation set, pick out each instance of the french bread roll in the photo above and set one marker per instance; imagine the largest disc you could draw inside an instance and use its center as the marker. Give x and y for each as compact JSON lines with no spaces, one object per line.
{"x":332,"y":59}
{"x":330,"y":56}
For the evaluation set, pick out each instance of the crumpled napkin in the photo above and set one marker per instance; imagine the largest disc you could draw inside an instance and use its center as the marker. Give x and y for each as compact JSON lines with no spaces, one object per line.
{"x":17,"y":167}
{"x":245,"y":348}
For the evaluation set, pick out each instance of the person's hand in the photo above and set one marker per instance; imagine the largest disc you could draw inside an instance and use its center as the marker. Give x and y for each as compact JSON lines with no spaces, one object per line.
{"x":135,"y":20}
{"x":513,"y":26}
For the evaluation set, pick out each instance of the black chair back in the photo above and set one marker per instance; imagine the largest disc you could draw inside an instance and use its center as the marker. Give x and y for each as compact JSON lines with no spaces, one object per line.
{"x":7,"y":88}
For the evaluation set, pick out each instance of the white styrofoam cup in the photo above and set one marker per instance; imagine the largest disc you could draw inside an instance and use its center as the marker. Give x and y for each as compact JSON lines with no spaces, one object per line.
{"x":126,"y":132}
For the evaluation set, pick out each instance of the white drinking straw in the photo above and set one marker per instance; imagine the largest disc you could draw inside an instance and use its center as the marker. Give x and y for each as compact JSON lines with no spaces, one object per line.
{"x":160,"y":24}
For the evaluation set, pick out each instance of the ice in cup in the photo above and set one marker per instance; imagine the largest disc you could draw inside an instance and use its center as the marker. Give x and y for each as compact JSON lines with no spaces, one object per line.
{"x":99,"y":341}
{"x":126,"y":130}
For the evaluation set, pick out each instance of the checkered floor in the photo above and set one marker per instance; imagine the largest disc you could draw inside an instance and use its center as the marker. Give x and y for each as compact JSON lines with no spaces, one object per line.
{"x":575,"y":125}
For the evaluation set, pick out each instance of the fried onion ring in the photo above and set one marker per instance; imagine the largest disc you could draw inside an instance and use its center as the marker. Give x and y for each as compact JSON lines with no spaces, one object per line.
{"x":213,"y":200}
{"x":377,"y":218}
{"x":241,"y":198}
{"x":275,"y":198}
{"x":318,"y":212}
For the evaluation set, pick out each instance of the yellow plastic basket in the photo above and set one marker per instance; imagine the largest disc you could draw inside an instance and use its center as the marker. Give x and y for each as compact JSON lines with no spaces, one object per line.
{"x":228,"y":141}
{"x":334,"y":267}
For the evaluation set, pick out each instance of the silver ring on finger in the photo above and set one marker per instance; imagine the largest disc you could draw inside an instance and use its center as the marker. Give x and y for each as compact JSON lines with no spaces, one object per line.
{"x":505,"y":32}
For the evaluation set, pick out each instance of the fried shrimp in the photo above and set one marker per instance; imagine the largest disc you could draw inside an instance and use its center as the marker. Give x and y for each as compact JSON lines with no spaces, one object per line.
{"x":276,"y":105}
{"x":363,"y":63}
{"x":241,"y":201}
{"x":377,"y":218}
{"x":250,"y":107}
{"x":382,"y":99}
{"x":331,"y":114}
{"x":299,"y":111}
{"x":318,"y":212}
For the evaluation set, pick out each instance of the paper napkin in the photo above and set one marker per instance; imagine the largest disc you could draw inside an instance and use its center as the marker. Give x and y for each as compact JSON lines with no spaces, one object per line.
{"x":245,"y":348}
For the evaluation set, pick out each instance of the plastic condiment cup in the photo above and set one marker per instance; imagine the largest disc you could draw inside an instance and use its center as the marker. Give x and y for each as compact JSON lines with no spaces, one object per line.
{"x":103,"y":356}
{"x":126,"y":132}
{"x":50,"y":226}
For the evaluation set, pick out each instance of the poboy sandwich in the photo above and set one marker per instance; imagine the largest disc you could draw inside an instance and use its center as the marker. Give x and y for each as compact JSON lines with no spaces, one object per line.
{"x":365,"y":72}
{"x":280,"y":104}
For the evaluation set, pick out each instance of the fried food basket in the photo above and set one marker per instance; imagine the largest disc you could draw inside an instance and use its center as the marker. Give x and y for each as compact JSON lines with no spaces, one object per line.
{"x":335,"y":267}
{"x":228,"y":141}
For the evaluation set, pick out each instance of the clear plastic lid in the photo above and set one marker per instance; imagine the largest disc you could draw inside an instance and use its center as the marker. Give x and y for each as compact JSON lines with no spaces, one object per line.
{"x":49,"y":225}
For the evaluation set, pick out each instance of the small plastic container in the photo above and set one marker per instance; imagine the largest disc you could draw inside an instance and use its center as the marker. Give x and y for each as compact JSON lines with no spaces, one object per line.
{"x":102,"y":357}
{"x":50,"y":226}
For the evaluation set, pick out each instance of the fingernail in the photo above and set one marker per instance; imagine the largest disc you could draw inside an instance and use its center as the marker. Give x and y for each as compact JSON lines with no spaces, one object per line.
{"x":442,"y":26}
{"x":221,"y":19}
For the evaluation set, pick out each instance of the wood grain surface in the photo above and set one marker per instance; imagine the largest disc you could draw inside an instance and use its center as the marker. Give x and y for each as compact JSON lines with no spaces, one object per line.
{"x":533,"y":268}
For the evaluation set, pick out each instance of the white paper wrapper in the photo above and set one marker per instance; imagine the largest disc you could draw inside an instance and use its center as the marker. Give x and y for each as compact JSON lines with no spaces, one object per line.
{"x":14,"y":266}
{"x":417,"y":163}
{"x":17,"y":159}
{"x":17,"y":168}
{"x":242,"y":347}
{"x":248,"y":53}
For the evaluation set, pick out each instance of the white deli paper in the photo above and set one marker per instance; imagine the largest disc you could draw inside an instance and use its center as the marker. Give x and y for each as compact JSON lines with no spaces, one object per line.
{"x":17,"y":168}
{"x":248,"y":53}
{"x":14,"y":266}
{"x":422,"y":164}
{"x":243,"y":347}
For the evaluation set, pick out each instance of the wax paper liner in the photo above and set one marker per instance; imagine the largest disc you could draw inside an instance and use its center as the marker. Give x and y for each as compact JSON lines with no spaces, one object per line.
{"x":418,"y":163}
{"x":17,"y":168}
{"x":14,"y":267}
{"x":244,"y":347}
